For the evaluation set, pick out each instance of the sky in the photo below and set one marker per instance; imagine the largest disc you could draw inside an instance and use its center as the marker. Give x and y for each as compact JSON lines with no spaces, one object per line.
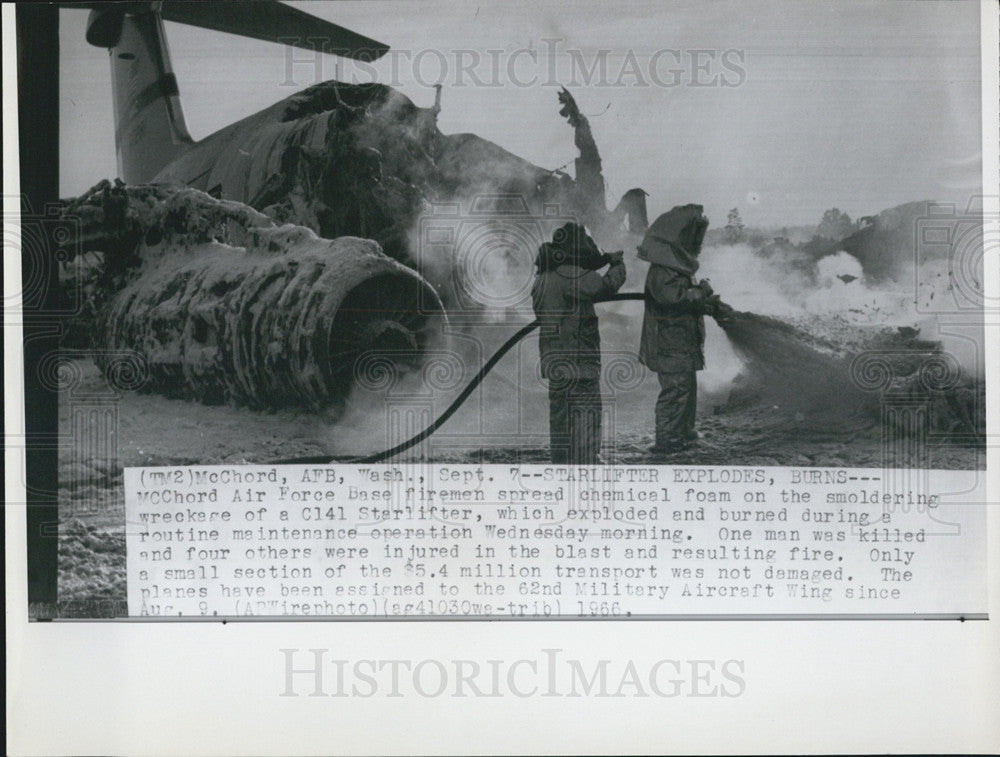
{"x":782,"y":109}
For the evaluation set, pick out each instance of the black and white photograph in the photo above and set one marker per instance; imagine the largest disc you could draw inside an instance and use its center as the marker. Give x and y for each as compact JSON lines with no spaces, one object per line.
{"x":654,"y":315}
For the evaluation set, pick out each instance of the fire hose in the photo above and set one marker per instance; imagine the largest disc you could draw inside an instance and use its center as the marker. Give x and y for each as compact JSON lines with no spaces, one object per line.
{"x":456,"y":403}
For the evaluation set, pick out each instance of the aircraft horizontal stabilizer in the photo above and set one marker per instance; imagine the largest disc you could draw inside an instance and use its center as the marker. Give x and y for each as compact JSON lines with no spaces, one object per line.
{"x":267,"y":20}
{"x":273,"y":21}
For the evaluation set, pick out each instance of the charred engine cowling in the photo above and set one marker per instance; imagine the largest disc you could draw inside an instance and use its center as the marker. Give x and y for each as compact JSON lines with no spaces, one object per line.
{"x":225,"y":306}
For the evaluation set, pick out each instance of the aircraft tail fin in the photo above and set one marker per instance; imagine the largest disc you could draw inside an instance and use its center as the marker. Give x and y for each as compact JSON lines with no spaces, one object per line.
{"x":149,"y":123}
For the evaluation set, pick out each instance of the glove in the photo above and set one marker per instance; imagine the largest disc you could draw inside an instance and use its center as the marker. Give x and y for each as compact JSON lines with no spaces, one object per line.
{"x":705,"y":287}
{"x":723,"y":312}
{"x":612,"y":258}
{"x":712,"y":304}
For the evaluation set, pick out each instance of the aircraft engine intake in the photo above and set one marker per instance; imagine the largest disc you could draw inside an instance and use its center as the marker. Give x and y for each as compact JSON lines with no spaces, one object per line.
{"x":221,"y":305}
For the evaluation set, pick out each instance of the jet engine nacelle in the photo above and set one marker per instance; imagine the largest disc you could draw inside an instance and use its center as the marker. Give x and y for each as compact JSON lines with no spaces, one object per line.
{"x":222,"y":305}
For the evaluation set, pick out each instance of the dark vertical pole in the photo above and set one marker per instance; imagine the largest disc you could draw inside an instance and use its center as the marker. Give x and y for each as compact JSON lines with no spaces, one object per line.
{"x":38,"y":131}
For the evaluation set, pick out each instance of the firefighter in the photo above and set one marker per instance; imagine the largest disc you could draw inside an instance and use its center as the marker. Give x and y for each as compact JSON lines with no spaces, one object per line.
{"x":563,"y":296}
{"x":673,"y":327}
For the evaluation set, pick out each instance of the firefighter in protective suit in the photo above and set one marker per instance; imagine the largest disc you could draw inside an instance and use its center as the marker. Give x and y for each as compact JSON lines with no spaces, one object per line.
{"x":563,"y":296}
{"x":673,"y":328}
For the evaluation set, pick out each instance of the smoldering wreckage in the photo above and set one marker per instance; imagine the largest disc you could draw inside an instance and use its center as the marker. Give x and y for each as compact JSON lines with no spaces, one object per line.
{"x":278,"y":261}
{"x":274,"y":283}
{"x":262,"y":284}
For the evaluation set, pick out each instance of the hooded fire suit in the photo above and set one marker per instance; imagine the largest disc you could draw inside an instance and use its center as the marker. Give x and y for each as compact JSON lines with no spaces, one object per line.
{"x":569,"y":345}
{"x":673,"y":327}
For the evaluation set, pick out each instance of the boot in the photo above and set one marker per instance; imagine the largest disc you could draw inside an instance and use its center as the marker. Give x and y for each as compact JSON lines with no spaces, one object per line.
{"x":670,"y":445}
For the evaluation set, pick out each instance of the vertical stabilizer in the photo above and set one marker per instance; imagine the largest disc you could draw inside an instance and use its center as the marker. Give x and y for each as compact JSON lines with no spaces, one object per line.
{"x":149,"y":123}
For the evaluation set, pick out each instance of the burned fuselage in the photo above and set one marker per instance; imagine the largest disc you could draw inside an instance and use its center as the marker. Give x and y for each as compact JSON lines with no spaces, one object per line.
{"x":363,"y":160}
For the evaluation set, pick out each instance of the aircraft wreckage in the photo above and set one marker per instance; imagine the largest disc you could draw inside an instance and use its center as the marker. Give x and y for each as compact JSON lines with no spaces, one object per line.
{"x":262,"y":264}
{"x":273,"y":260}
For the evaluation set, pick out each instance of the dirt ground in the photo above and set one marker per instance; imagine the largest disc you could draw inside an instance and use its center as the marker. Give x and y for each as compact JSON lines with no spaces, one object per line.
{"x":152,"y":431}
